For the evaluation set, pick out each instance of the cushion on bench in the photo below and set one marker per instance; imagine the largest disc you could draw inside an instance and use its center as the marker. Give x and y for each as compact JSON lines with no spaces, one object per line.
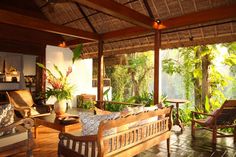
{"x":90,"y":123}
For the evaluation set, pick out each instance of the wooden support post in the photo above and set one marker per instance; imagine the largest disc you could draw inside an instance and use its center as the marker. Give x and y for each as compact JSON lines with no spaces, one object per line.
{"x":40,"y":74}
{"x":100,"y":74}
{"x":157,"y":45}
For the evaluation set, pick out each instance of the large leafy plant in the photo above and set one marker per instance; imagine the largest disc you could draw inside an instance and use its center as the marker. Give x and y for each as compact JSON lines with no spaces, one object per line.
{"x":60,"y":88}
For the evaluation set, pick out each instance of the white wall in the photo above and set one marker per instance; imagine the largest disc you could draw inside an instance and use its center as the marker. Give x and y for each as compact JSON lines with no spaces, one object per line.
{"x":16,"y":61}
{"x":81,"y":75}
{"x":29,"y":65}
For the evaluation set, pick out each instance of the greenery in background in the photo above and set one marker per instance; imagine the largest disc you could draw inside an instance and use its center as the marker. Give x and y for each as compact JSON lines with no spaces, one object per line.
{"x":205,"y":86}
{"x":230,"y":60}
{"x":87,"y":104}
{"x":132,"y":79}
{"x":145,"y":98}
{"x":114,"y":107}
{"x":197,"y":66}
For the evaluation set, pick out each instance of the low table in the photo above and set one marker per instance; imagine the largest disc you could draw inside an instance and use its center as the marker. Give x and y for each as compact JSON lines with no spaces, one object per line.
{"x":51,"y":121}
{"x":177,"y":102}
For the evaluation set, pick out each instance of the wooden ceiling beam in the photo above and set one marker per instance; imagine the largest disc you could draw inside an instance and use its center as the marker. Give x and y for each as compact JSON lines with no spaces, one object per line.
{"x":21,"y":47}
{"x":10,"y":32}
{"x":199,"y":17}
{"x":11,"y":18}
{"x":120,"y":11}
{"x":77,"y":41}
{"x":125,"y":32}
{"x":86,"y":18}
{"x":184,"y":20}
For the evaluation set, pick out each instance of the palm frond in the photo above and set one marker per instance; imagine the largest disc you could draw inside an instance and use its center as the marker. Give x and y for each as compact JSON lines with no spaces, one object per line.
{"x":77,"y":52}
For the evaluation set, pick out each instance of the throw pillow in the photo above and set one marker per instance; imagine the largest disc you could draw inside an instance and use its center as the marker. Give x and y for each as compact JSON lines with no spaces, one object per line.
{"x":90,"y":124}
{"x":6,"y":117}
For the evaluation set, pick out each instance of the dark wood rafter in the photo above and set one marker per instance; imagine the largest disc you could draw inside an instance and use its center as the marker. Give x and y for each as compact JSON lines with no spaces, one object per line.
{"x":22,"y":11}
{"x":119,"y":11}
{"x":147,"y":6}
{"x":95,"y":13}
{"x":126,"y":32}
{"x":11,"y":18}
{"x":165,"y":45}
{"x":184,"y":20}
{"x":21,"y":47}
{"x":100,"y":73}
{"x":199,"y":17}
{"x":169,"y":31}
{"x":77,"y":41}
{"x":28,"y":36}
{"x":86,"y":18}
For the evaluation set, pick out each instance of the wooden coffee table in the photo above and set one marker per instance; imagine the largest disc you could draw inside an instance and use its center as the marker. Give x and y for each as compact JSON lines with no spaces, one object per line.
{"x":51,"y":121}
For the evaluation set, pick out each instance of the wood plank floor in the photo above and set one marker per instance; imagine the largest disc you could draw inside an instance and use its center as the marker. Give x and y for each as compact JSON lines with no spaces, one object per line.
{"x":182,"y":145}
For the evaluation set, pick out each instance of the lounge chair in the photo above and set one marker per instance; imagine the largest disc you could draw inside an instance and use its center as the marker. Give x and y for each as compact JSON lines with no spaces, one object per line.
{"x":224,"y":117}
{"x":25,"y":106}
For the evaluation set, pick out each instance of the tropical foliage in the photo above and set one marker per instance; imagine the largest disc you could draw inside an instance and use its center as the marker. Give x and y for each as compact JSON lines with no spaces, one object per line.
{"x":60,"y":88}
{"x":205,"y":85}
{"x":132,"y":79}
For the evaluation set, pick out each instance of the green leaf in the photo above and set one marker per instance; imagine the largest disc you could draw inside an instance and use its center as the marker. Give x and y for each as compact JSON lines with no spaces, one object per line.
{"x":197,"y":73}
{"x":77,"y":52}
{"x":49,"y":72}
{"x":207,"y":104}
{"x":59,"y":72}
{"x":106,"y":91}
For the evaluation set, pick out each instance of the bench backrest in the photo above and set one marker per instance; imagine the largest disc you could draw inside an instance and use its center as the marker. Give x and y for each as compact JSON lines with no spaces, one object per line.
{"x":126,"y":137}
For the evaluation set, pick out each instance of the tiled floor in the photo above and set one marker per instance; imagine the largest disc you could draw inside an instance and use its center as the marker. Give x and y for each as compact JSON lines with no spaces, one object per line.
{"x":182,"y":145}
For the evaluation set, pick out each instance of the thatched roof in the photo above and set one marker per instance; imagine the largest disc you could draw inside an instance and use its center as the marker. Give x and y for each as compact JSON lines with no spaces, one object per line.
{"x":68,"y":14}
{"x":74,"y":14}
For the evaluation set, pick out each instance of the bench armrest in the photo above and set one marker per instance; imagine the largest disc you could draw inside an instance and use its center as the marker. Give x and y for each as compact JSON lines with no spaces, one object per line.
{"x":28,"y":123}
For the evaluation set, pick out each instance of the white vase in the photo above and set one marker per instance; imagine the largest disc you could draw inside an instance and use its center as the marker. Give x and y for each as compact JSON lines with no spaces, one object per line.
{"x":60,"y":107}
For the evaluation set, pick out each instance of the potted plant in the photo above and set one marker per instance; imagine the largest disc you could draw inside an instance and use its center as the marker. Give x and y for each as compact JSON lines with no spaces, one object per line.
{"x":60,"y":88}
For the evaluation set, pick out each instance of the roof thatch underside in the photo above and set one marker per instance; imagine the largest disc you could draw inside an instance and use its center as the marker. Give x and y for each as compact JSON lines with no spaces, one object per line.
{"x":68,"y":14}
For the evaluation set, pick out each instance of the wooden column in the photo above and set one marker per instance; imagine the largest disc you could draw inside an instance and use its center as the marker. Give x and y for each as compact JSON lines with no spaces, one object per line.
{"x":157,"y":45}
{"x":100,"y":74}
{"x":40,"y":74}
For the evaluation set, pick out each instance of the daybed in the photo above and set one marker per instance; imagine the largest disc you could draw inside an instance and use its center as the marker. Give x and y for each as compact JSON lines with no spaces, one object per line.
{"x":123,"y":136}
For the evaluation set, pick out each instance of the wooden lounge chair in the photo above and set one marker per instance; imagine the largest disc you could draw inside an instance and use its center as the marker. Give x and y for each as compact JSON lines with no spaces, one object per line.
{"x":224,"y":117}
{"x":25,"y":106}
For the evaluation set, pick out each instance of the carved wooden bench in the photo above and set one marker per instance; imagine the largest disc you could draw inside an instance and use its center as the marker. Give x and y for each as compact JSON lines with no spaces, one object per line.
{"x":124,"y":141}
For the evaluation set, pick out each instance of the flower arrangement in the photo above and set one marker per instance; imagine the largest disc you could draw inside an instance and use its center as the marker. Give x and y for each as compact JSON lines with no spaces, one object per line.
{"x":60,"y":87}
